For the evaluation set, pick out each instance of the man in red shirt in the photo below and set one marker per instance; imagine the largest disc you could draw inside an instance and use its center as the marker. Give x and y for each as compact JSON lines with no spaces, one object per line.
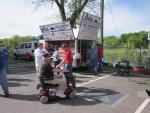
{"x":100,"y":56}
{"x":67,"y":61}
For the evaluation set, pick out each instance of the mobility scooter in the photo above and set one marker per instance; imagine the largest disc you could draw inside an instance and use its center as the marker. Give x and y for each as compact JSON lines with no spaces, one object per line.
{"x":48,"y":91}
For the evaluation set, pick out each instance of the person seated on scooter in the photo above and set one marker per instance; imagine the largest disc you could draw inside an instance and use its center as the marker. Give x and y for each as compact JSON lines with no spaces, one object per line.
{"x":48,"y":71}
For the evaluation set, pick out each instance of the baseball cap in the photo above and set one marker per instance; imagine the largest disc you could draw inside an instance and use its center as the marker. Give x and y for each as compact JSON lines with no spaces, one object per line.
{"x":40,"y":43}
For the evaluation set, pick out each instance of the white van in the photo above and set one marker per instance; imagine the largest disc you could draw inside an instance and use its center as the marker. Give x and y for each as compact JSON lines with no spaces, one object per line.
{"x":25,"y":50}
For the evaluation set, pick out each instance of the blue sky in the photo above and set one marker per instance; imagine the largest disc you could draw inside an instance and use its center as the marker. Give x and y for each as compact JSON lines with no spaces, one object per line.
{"x":19,"y":17}
{"x":130,"y":16}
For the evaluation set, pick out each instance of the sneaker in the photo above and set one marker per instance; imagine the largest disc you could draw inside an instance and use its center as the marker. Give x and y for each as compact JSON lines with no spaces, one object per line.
{"x":60,"y":94}
{"x":6,"y":95}
{"x":148,"y":92}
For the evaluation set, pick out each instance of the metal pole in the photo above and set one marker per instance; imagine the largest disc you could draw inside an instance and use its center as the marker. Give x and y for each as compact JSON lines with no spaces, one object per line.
{"x":76,"y":43}
{"x":76,"y":52}
{"x":101,"y":20}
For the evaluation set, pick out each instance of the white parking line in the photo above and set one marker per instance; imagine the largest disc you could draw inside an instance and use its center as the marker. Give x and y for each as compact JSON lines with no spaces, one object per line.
{"x":143,"y":105}
{"x":119,"y":101}
{"x":91,"y":81}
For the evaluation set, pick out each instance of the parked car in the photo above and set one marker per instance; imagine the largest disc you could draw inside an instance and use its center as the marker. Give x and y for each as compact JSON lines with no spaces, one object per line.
{"x":25,"y":50}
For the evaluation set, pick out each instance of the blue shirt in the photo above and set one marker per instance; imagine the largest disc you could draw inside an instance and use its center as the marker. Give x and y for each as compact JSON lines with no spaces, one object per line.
{"x":94,"y":53}
{"x":5,"y":53}
{"x":1,"y":60}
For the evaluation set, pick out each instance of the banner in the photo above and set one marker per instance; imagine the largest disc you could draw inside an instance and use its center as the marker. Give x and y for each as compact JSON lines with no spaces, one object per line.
{"x":58,"y":31}
{"x":89,"y":27}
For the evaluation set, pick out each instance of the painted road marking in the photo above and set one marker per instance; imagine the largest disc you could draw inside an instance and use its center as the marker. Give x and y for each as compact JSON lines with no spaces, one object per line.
{"x":79,"y":75}
{"x":119,"y":101}
{"x":91,"y":81}
{"x":143,"y":105}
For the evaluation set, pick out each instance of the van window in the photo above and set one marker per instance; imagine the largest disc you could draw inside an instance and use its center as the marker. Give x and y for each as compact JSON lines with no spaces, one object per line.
{"x":21,"y":46}
{"x":36,"y":45}
{"x":28,"y":45}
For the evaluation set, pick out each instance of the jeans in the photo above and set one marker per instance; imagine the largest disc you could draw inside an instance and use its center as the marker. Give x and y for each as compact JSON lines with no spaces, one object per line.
{"x":100,"y":64}
{"x":3,"y":80}
{"x":69,"y":77}
{"x":6,"y":64}
{"x":93,"y":66}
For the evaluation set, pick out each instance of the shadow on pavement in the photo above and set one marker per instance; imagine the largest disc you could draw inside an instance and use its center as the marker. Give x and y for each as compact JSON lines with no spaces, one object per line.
{"x":23,"y":97}
{"x":140,"y":82}
{"x":85,"y":97}
{"x":89,"y":96}
{"x":15,"y":84}
{"x":22,"y":72}
{"x":19,"y":80}
{"x":79,"y":81}
{"x":121,"y":74}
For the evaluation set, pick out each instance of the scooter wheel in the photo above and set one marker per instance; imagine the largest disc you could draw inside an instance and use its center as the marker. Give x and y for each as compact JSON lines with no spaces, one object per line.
{"x":44,"y":99}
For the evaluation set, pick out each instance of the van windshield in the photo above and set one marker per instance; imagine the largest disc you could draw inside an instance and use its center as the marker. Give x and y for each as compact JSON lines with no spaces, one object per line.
{"x":28,"y":45}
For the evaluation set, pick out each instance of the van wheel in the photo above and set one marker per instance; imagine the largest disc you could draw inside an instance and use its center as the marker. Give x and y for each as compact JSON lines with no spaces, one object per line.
{"x":27,"y":57}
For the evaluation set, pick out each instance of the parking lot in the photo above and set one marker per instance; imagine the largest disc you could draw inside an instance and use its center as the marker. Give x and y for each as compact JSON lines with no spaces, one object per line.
{"x":107,"y":92}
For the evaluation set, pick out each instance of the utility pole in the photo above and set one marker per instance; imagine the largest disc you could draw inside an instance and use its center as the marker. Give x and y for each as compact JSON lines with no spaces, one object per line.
{"x":101,"y":21}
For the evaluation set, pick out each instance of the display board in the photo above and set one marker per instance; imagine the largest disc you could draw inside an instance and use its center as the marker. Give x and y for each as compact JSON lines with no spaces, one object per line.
{"x":89,"y":27}
{"x":58,"y":31}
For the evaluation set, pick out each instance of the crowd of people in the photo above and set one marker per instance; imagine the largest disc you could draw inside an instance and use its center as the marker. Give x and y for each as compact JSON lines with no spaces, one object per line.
{"x":44,"y":67}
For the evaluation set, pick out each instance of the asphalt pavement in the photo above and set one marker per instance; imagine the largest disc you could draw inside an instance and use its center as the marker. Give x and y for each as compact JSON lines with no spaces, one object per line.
{"x":106,"y":92}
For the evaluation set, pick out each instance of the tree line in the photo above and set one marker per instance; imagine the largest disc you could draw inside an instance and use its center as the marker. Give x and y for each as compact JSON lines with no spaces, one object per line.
{"x":131,"y":40}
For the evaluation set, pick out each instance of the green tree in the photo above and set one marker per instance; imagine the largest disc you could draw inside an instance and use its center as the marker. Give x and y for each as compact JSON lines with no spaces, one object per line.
{"x":143,"y":38}
{"x":10,"y":43}
{"x":111,"y":41}
{"x":71,"y":9}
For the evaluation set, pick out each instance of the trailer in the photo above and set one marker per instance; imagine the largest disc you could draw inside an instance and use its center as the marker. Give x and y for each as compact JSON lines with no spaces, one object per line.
{"x":60,"y":33}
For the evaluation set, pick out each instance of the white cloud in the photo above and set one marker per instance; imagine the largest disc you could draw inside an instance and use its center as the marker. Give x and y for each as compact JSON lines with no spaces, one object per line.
{"x":124,"y":20}
{"x":21,"y":19}
{"x":127,"y":20}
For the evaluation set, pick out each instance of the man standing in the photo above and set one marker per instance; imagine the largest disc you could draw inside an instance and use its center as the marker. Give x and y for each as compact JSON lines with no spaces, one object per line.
{"x":38,"y":54}
{"x":3,"y":75}
{"x":94,"y":60}
{"x":100,"y":56}
{"x":67,"y":61}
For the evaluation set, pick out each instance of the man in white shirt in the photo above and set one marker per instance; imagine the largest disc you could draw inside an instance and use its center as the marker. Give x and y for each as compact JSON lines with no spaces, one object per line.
{"x":38,"y":54}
